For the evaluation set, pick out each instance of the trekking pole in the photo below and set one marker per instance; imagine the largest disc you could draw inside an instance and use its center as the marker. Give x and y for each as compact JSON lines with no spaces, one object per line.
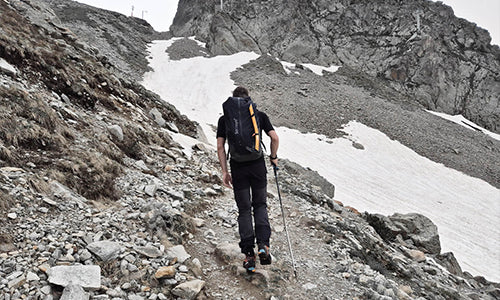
{"x":284,"y":222}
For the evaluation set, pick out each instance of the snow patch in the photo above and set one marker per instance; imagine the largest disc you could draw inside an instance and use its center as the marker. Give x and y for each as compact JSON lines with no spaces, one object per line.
{"x":461,"y":120}
{"x":319,"y":69}
{"x":316,"y":69}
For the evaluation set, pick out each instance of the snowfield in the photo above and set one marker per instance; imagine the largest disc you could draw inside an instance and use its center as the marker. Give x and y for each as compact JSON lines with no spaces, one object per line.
{"x":385,"y":177}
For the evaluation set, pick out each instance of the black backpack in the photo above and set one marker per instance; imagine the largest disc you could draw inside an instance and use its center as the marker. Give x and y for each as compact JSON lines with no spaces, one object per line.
{"x":242,"y":129}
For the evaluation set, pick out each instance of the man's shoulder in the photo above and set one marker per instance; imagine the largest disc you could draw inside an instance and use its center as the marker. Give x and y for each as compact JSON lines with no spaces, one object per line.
{"x":262,"y":114}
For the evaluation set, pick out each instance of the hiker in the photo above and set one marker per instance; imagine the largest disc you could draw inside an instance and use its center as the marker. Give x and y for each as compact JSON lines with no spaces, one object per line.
{"x":248,"y":177}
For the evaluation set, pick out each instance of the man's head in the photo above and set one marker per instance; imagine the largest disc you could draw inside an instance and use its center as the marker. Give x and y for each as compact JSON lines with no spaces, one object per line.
{"x":240,"y":92}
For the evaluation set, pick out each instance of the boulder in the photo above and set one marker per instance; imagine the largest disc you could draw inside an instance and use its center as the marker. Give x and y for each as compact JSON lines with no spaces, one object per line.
{"x":416,"y":227}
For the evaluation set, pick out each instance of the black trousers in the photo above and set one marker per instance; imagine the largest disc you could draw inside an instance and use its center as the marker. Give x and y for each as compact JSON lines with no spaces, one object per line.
{"x":250,"y":193}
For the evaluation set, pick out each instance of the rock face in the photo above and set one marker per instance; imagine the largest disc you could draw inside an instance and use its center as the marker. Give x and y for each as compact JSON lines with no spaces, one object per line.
{"x":418,"y":47}
{"x":416,"y":227}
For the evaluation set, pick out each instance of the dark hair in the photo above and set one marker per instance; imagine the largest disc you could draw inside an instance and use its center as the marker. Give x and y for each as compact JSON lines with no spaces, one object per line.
{"x":240,"y":92}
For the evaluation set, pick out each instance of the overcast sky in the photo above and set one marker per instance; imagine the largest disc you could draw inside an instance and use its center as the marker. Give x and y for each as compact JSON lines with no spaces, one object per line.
{"x":160,"y":13}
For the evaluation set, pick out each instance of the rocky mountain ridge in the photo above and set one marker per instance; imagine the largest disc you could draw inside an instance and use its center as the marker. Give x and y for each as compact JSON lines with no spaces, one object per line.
{"x":417,"y":47}
{"x":98,"y":201}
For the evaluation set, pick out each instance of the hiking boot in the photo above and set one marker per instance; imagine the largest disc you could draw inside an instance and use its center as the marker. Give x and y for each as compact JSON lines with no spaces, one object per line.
{"x":264,"y":255}
{"x":249,"y":263}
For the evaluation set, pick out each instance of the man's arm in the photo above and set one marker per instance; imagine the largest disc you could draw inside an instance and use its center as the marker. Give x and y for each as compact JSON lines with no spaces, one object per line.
{"x":275,"y":141}
{"x":221,"y":154}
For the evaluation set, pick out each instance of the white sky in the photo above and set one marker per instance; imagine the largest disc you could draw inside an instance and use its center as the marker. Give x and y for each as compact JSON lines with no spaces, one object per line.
{"x":160,"y":13}
{"x":386,"y":177}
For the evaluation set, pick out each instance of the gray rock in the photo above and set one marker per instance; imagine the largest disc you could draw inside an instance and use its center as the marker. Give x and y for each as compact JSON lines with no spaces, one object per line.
{"x":150,"y":190}
{"x":157,"y":117}
{"x":172,"y":127}
{"x":177,"y":252}
{"x":151,"y":252}
{"x":106,"y":250}
{"x":32,"y":277}
{"x":228,"y":253}
{"x":449,"y":261}
{"x":74,"y":292}
{"x":418,"y":228}
{"x":46,"y":289}
{"x":189,"y":290}
{"x":116,"y":131}
{"x":16,"y":282}
{"x":85,"y":255}
{"x":85,"y":276}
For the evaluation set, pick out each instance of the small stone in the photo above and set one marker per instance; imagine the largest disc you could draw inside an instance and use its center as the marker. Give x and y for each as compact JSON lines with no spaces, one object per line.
{"x":50,"y":202}
{"x":46,"y":289}
{"x":44,"y":267}
{"x":198,"y":222}
{"x":106,"y":250}
{"x":32,"y":277}
{"x":116,"y":131}
{"x":151,"y":252}
{"x":16,"y":282}
{"x":309,"y":286}
{"x":150,"y":190}
{"x":12,"y":216}
{"x":416,"y":255}
{"x":74,"y":292}
{"x":161,"y":296}
{"x":183,"y":269}
{"x":156,"y":115}
{"x":189,"y":290}
{"x":85,"y":255}
{"x":172,"y":127}
{"x":126,"y":286}
{"x":165,"y":272}
{"x":177,"y":252}
{"x":210,"y":192}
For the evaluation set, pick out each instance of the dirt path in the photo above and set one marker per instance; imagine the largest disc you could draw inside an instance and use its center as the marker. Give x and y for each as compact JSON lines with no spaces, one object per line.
{"x":315,"y":258}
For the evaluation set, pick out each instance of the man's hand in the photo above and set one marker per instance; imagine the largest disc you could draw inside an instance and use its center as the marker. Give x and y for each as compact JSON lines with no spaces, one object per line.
{"x":274,"y":162}
{"x":227,"y":180}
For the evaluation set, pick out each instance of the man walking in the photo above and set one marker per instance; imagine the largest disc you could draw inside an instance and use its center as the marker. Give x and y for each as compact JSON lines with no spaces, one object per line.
{"x":248,"y":176}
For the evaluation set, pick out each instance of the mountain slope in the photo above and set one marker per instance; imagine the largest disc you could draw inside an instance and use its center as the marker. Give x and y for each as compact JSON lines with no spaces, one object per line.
{"x":417,"y":47}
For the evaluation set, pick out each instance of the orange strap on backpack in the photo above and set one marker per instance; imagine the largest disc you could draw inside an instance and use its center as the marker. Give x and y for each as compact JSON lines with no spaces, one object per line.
{"x":256,"y":129}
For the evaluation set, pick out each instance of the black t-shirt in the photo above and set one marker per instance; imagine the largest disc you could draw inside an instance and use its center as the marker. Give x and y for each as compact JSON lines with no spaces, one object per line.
{"x":265,"y":124}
